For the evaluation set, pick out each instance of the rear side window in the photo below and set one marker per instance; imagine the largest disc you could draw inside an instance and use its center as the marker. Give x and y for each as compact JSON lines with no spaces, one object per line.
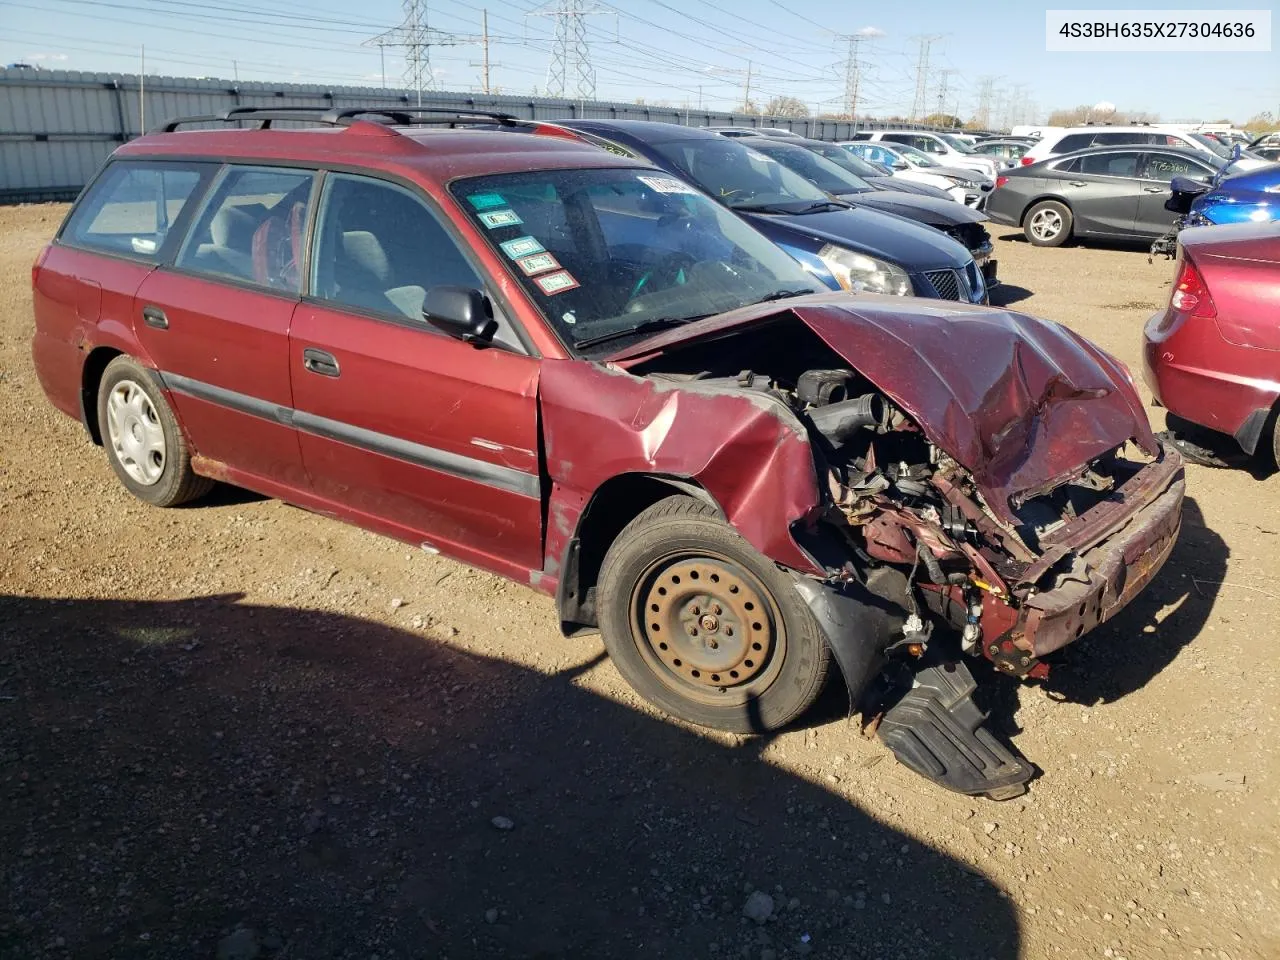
{"x":380,"y":249}
{"x":1111,"y":164}
{"x":1073,"y":141}
{"x":132,"y":207}
{"x":253,"y":228}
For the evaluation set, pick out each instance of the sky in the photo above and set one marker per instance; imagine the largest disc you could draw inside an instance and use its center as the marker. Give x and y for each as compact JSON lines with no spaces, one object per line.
{"x":681,"y":52}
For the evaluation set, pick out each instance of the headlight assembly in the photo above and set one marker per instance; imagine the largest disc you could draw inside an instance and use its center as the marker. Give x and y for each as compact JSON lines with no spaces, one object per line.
{"x":858,"y":273}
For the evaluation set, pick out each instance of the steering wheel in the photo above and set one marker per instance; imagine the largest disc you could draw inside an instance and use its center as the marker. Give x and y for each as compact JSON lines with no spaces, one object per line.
{"x":662,"y":274}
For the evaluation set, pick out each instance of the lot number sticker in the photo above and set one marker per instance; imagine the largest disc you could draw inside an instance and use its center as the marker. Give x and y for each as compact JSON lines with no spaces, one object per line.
{"x":553,"y":283}
{"x":538,"y":263}
{"x":500,"y":218}
{"x":487,"y":201}
{"x":521,"y":247}
{"x":666,"y":185}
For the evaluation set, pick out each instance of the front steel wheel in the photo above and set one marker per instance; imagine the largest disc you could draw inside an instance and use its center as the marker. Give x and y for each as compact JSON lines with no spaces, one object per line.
{"x":703,"y":626}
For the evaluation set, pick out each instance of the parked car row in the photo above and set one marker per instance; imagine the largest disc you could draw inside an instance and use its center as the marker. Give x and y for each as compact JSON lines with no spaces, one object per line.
{"x":622,"y":363}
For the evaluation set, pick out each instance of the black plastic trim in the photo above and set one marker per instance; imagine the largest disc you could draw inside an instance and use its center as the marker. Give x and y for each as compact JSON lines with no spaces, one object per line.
{"x":468,"y":468}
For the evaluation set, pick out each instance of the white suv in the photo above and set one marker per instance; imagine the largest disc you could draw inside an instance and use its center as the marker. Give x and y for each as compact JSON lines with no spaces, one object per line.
{"x":943,"y":147}
{"x":1080,"y":138}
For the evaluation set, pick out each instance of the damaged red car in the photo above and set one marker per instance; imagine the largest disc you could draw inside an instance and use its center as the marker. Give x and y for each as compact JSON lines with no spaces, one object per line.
{"x":579,"y":372}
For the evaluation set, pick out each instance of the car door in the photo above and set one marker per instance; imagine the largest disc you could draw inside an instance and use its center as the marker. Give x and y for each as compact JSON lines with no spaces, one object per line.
{"x":216,"y":321}
{"x":1102,"y":190}
{"x":402,"y":426}
{"x":1156,"y":170}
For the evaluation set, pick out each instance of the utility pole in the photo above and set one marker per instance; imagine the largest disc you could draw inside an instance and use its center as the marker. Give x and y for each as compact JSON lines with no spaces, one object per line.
{"x":417,"y":38}
{"x":920,"y":101}
{"x":484,"y":63}
{"x":746,"y":91}
{"x":570,"y":55}
{"x":142,"y":88}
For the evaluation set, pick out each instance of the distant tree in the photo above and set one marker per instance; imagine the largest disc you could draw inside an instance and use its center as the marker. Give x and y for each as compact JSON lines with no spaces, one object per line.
{"x":1263,"y":122}
{"x":943,"y":120}
{"x":786,"y":107}
{"x":749,"y":108}
{"x":1077,"y":116}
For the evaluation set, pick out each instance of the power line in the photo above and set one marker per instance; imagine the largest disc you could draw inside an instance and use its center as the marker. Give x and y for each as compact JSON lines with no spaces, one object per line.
{"x":571,"y":55}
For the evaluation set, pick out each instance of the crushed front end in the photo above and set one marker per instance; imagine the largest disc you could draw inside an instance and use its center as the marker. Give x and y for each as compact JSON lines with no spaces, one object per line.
{"x":989,"y":487}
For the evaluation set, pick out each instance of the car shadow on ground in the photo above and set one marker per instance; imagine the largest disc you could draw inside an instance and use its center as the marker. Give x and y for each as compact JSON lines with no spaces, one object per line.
{"x":207,"y":777}
{"x":1007,"y":294}
{"x":1125,"y":653}
{"x":1140,"y":245}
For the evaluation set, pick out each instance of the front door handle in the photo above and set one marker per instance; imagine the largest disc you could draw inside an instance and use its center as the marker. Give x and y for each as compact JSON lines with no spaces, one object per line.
{"x":321,"y":362}
{"x":1153,"y":189}
{"x":1078,"y":183}
{"x":154,"y":317}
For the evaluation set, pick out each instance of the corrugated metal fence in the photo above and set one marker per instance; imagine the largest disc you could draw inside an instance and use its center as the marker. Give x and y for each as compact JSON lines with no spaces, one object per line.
{"x":57,"y":126}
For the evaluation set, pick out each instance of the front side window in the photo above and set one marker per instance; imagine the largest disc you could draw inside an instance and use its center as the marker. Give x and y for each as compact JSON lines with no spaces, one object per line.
{"x":1110,"y":164}
{"x":379,"y":248}
{"x":131,"y":208}
{"x":609,"y":255}
{"x":1166,"y":166}
{"x":253,"y":228}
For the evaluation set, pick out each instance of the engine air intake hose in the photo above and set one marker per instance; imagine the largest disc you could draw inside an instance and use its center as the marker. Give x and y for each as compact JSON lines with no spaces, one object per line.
{"x":839,"y":421}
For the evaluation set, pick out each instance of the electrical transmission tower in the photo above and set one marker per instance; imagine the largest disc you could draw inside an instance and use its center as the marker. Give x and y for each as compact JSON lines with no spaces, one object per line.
{"x":852,"y":73}
{"x":920,"y":102}
{"x":571,"y":72}
{"x":986,"y":87}
{"x":942,"y":91}
{"x":417,"y":39}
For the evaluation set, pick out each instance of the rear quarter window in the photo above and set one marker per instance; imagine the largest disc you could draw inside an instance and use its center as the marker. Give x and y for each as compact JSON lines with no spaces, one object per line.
{"x":1074,"y":141}
{"x":132,"y":208}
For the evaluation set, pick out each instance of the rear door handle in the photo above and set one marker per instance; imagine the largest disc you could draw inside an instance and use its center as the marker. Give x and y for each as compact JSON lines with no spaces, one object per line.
{"x":321,"y":362}
{"x":1153,"y":189}
{"x":1078,"y":183}
{"x":154,"y":317}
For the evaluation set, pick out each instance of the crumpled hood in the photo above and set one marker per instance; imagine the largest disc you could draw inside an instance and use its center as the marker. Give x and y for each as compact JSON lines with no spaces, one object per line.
{"x":1019,"y":402}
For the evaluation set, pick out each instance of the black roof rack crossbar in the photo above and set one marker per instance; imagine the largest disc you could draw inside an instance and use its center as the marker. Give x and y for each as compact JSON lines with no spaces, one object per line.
{"x":335,"y":117}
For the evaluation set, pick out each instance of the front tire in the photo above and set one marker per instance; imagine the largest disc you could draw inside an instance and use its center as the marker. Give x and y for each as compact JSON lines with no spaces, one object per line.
{"x":704,"y":627}
{"x":1048,"y":224}
{"x":145,"y":445}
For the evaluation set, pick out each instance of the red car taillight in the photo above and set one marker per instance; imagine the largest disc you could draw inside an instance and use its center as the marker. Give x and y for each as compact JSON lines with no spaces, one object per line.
{"x":1001,"y":181}
{"x":1191,"y":294}
{"x":1026,"y":161}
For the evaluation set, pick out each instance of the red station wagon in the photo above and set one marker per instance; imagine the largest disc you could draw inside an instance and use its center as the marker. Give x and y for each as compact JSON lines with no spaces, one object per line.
{"x":577,"y":371}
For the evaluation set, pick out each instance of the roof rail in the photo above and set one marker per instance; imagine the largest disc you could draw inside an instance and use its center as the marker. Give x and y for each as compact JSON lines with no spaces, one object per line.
{"x":335,"y":117}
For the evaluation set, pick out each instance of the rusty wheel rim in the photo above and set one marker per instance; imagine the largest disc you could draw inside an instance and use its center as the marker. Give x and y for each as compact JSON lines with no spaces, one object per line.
{"x":707,"y":628}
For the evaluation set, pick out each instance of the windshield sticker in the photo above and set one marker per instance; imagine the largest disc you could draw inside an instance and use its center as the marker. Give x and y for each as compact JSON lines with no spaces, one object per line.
{"x":487,"y":201}
{"x":538,"y":263}
{"x":569,"y":317}
{"x":521,"y":247}
{"x":666,"y":185}
{"x":553,"y":283}
{"x":499,"y":218}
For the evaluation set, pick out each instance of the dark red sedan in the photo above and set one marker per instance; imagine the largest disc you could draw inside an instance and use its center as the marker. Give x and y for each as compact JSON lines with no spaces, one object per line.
{"x":1212,"y":356}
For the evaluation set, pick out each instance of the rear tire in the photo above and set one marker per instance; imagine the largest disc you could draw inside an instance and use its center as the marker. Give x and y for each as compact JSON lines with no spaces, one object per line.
{"x":704,"y":627}
{"x":1048,"y":224}
{"x":144,"y":444}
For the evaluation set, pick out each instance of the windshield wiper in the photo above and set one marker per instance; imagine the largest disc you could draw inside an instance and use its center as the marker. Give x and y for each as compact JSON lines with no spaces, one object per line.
{"x":648,"y":326}
{"x":826,"y":205}
{"x":783,"y":295}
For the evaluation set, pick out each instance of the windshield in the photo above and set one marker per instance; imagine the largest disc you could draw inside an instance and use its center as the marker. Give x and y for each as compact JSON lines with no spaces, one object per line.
{"x":818,"y":170}
{"x":961,"y":145}
{"x":740,"y":178}
{"x":1210,"y":143}
{"x":615,"y":253}
{"x":915,"y":157}
{"x":843,"y":158}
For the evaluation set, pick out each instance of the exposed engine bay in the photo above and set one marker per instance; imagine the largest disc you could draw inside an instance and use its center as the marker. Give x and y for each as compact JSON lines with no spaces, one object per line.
{"x":894,"y":499}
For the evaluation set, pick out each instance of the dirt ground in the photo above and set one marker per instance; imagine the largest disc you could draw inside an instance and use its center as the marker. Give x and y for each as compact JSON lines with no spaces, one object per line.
{"x":241,"y":730}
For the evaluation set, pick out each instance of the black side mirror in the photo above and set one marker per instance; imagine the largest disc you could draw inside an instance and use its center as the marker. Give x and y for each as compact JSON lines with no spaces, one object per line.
{"x":462,"y":312}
